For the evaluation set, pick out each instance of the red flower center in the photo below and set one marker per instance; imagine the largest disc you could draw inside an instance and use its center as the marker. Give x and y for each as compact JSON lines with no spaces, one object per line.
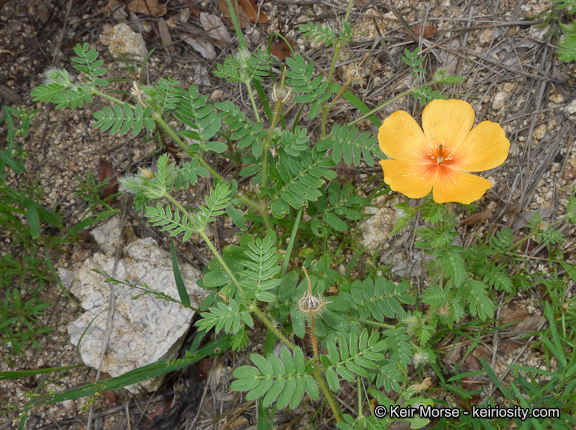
{"x":440,"y":155}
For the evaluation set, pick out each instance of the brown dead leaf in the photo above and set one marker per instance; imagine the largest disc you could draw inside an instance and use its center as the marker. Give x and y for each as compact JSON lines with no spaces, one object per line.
{"x":526,"y":323}
{"x":527,"y":245}
{"x":453,"y":354}
{"x":215,"y":28}
{"x":529,"y":324}
{"x":164,"y":32}
{"x":253,"y":12}
{"x":147,"y":7}
{"x":203,"y":46}
{"x":509,"y":315}
{"x":426,"y":32}
{"x":203,"y":367}
{"x":241,"y":14}
{"x":246,"y":12}
{"x":280,"y":49}
{"x":478,"y":218}
{"x":482,"y":351}
{"x":107,"y":173}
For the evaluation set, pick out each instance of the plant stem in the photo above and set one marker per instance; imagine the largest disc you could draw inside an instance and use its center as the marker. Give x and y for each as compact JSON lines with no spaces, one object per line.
{"x":377,"y":324}
{"x":328,"y":394}
{"x":263,"y":210}
{"x":325,"y":107}
{"x":350,"y":3}
{"x":267,"y":142}
{"x":392,"y":100}
{"x":253,"y":307}
{"x":249,"y":87}
{"x":359,"y":389}
{"x":108,"y":97}
{"x":180,"y":142}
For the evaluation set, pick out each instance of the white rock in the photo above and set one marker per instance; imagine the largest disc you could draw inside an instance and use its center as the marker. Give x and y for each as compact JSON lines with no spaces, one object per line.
{"x":376,"y":229}
{"x":499,"y":100}
{"x":144,"y":330}
{"x":122,"y":39}
{"x":571,"y":108}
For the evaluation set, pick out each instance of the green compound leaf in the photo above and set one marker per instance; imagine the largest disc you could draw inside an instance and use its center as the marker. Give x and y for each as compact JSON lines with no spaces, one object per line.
{"x":298,"y":180}
{"x":452,"y":264}
{"x":228,"y":317}
{"x":318,"y":33}
{"x":260,"y":268}
{"x":201,"y":119}
{"x":283,"y":382}
{"x":188,"y":173}
{"x":478,"y":301}
{"x":88,"y":65}
{"x":346,"y":143}
{"x":171,"y":221}
{"x":313,"y":91}
{"x":121,"y":118}
{"x":435,"y":296}
{"x":168,"y":95}
{"x":247,"y":134}
{"x":350,"y":355}
{"x":216,"y":203}
{"x":379,"y":300}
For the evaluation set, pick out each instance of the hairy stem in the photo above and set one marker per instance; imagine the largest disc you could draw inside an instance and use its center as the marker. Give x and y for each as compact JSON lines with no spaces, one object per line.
{"x":329,"y":396}
{"x":326,"y":107}
{"x":249,"y":87}
{"x":253,"y":307}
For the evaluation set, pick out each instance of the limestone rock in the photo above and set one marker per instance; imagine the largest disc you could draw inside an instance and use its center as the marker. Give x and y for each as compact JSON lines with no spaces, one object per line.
{"x":121,"y":39}
{"x":145,"y":329}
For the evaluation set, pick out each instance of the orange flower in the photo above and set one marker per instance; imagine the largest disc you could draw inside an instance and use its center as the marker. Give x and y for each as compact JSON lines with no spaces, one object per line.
{"x":439,"y":158}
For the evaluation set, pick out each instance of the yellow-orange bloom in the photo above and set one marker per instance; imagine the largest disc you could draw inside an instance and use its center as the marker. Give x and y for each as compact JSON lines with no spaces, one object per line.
{"x":439,"y":157}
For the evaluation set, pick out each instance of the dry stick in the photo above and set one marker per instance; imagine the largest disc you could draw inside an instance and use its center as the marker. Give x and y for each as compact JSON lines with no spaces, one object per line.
{"x":128,"y":415}
{"x":545,"y":162}
{"x":523,"y":198}
{"x":538,"y":327}
{"x":495,"y":339}
{"x":61,"y":38}
{"x":204,"y":394}
{"x":112,"y":303}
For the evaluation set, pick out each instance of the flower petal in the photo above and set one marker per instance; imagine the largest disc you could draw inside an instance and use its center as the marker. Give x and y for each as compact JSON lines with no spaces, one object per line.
{"x":447,"y":122}
{"x":485,"y":147}
{"x":401,"y":137}
{"x":455,"y":186}
{"x":412,"y":179}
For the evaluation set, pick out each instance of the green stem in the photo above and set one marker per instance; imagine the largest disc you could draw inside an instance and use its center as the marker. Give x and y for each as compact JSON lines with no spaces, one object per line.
{"x":359,"y":389}
{"x":252,"y":306}
{"x":249,"y":87}
{"x":266,"y":146}
{"x":268,"y":141}
{"x":106,"y":96}
{"x":387,"y":102}
{"x":263,"y":210}
{"x":377,"y":324}
{"x":328,"y":394}
{"x":534,"y":233}
{"x":325,"y":107}
{"x":350,"y":4}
